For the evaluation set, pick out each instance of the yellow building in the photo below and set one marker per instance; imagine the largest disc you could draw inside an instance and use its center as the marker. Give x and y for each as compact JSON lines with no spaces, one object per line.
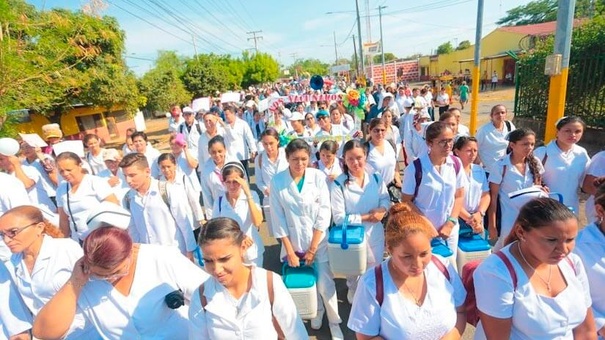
{"x":495,"y":49}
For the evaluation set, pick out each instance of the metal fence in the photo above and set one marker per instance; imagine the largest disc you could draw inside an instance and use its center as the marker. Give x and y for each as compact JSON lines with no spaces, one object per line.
{"x":585,"y":89}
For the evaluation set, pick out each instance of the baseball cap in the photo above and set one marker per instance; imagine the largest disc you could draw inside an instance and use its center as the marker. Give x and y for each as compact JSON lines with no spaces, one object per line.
{"x":9,"y":146}
{"x":111,"y":155}
{"x":296,"y":116}
{"x":188,"y":110}
{"x":322,"y":113}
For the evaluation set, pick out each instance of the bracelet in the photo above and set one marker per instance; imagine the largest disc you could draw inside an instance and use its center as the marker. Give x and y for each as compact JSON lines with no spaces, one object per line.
{"x":481,"y":213}
{"x":77,"y":285}
{"x":453,"y":220}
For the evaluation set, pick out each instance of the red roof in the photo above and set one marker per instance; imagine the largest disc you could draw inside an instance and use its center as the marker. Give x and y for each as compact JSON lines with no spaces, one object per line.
{"x":544,"y":28}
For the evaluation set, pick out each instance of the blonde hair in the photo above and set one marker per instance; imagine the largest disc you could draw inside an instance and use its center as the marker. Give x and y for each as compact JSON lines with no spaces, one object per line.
{"x":404,"y":221}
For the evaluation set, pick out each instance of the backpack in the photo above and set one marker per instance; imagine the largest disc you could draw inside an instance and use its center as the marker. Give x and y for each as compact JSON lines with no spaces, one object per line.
{"x":162,"y":188}
{"x":270,"y":291}
{"x":197,"y":127}
{"x":470,"y":303}
{"x":380,"y":282}
{"x":418,"y":172}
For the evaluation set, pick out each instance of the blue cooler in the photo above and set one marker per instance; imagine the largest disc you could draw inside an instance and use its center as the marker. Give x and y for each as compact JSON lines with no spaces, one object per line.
{"x":301,"y":284}
{"x":470,"y":248}
{"x":440,"y":247}
{"x":347,"y":249}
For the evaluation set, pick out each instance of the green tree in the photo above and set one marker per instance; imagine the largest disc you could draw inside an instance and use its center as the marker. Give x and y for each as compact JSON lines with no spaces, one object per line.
{"x":464,"y":44}
{"x":311,"y":66}
{"x":388,"y":57}
{"x":259,"y":68}
{"x":445,"y":48}
{"x":204,"y":74}
{"x":539,"y":11}
{"x":162,"y":85}
{"x":343,"y":61}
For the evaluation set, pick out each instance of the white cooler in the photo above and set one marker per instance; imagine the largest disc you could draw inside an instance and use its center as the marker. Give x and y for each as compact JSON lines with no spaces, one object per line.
{"x":470,"y":249}
{"x":347,"y":250}
{"x":301,"y":285}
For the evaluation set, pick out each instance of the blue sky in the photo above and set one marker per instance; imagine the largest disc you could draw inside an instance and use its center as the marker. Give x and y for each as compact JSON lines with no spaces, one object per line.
{"x":290,"y":29}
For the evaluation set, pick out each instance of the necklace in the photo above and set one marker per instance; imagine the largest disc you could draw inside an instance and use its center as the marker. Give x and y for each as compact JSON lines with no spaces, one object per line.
{"x":410,"y":290}
{"x":546,"y":282}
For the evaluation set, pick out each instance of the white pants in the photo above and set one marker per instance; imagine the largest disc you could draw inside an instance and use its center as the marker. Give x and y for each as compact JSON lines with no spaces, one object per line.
{"x":327,"y":290}
{"x":452,"y":243}
{"x":375,"y":253}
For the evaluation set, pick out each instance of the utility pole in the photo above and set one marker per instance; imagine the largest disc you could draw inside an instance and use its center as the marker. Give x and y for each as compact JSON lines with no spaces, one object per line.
{"x":294,"y":55}
{"x":360,"y":64}
{"x":558,"y":82}
{"x":335,"y":49}
{"x":194,"y":47}
{"x":476,"y":69}
{"x":384,"y":72}
{"x":355,"y":50}
{"x":255,"y":38}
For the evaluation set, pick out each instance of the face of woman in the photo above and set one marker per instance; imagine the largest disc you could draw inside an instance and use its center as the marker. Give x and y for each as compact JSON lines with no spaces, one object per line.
{"x":378,"y":132}
{"x":412,"y":255}
{"x":468,"y":153}
{"x":93,"y":145}
{"x":524,"y":146}
{"x":231,"y":184}
{"x":112,"y":165}
{"x":452,"y":123}
{"x":443,"y":144}
{"x":387,"y":117}
{"x":570,"y":133}
{"x":549,"y":244}
{"x":19,"y":233}
{"x":139,"y":144}
{"x":70,"y":171}
{"x":335,"y":116}
{"x":270,"y":144}
{"x":355,"y":159}
{"x":298,"y":161}
{"x":217,"y":153}
{"x":223,"y":260}
{"x":310,"y":120}
{"x":498,"y":115}
{"x":327,"y":157}
{"x":176,"y":148}
{"x":168,"y":169}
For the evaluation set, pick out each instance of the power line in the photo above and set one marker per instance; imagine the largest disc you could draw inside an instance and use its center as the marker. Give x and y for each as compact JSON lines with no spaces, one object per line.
{"x":255,"y":38}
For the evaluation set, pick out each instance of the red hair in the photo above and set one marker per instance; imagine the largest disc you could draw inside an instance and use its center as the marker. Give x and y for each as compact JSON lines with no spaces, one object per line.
{"x":107,"y":247}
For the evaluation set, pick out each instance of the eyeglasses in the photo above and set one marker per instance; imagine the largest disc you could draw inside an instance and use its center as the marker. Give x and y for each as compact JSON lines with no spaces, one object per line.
{"x":15,"y":231}
{"x":112,"y":277}
{"x":445,"y":142}
{"x":323,"y":117}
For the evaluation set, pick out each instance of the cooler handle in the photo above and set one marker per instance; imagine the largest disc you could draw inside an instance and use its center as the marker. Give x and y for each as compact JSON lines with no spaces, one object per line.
{"x":343,"y":243}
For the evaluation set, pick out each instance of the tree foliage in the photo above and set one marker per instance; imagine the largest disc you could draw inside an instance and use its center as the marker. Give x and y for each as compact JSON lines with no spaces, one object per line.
{"x":445,"y":48}
{"x":388,"y":57}
{"x":311,"y":66}
{"x":464,"y":44}
{"x":539,"y":11}
{"x":259,"y":68}
{"x":162,"y":85}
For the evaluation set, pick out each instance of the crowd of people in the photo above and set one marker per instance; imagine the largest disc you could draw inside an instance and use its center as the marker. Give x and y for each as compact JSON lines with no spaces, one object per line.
{"x":136,"y":243}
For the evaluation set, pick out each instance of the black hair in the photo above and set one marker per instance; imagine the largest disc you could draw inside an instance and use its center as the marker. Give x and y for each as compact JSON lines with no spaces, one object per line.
{"x":216,"y":139}
{"x":232,"y":167}
{"x":329,"y":145}
{"x":296,"y":145}
{"x":515,"y":136}
{"x":220,"y":228}
{"x":569,"y":119}
{"x":270,"y":132}
{"x":350,"y":145}
{"x":462,"y":141}
{"x":166,"y":156}
{"x":139,"y":134}
{"x":69,"y":155}
{"x":434,"y":130}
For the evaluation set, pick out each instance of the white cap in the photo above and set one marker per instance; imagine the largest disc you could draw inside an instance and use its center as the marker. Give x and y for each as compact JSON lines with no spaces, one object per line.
{"x":250,"y":103}
{"x":388,"y":95}
{"x":296,"y":116}
{"x":408,"y":102}
{"x":108,"y":214}
{"x":187,"y":109}
{"x":287,"y":113}
{"x":9,"y":146}
{"x":518,"y":198}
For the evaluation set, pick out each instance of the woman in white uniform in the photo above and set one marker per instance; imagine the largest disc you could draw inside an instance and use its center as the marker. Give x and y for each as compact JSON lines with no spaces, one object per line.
{"x":212,"y":183}
{"x":413,"y":294}
{"x":392,"y":132}
{"x":328,"y":161}
{"x":536,"y":288}
{"x":439,"y":194}
{"x":476,"y":191}
{"x":15,"y":319}
{"x":300,"y":212}
{"x":126,"y":290}
{"x":595,"y":176}
{"x":239,"y":301}
{"x":491,"y":137}
{"x":519,"y":169}
{"x":113,"y":174}
{"x":563,"y":158}
{"x":42,"y":260}
{"x":78,"y":193}
{"x":210,"y":123}
{"x":172,"y":173}
{"x":94,"y":155}
{"x":382,"y":156}
{"x":185,"y":160}
{"x":361,"y":198}
{"x":242,"y":205}
{"x":590,"y":246}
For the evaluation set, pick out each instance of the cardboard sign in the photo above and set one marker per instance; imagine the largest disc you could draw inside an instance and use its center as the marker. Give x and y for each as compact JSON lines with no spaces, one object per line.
{"x":263,"y":105}
{"x":201,"y":104}
{"x":75,"y":146}
{"x":33,"y":140}
{"x":230,"y":97}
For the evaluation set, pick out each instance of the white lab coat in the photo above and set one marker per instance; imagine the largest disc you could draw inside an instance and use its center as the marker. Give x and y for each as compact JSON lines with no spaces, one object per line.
{"x":241,"y":214}
{"x":263,"y":174}
{"x":92,"y":191}
{"x":297,"y":214}
{"x":596,"y":169}
{"x":400,"y":318}
{"x":13,"y":194}
{"x":590,"y":246}
{"x":212,"y":184}
{"x":202,"y":147}
{"x":533,"y":316}
{"x":475,"y":186}
{"x":143,"y":314}
{"x":154,"y":222}
{"x":152,"y":155}
{"x":52,"y":269}
{"x":220,"y":320}
{"x":96,"y":163}
{"x":383,"y":163}
{"x":239,"y":140}
{"x":189,"y":172}
{"x":49,"y":186}
{"x":119,"y":189}
{"x":14,"y":316}
{"x":37,"y":194}
{"x":492,"y":143}
{"x":570,"y":165}
{"x":192,"y":135}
